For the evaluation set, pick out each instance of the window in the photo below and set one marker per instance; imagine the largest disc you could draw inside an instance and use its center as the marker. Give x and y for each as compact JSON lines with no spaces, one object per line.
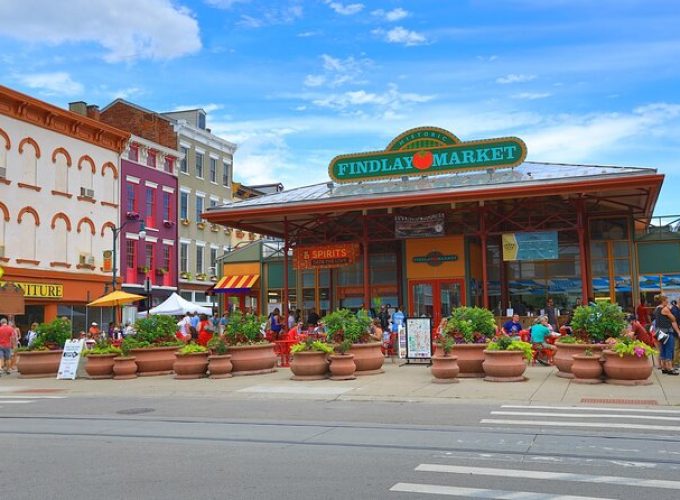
{"x":183,"y":164}
{"x":168,"y":164}
{"x":213,"y":170}
{"x":199,"y":259}
{"x":199,"y":165}
{"x":213,"y":261}
{"x":166,"y":206}
{"x":183,"y":205}
{"x":130,"y":247}
{"x":199,"y":207}
{"x":225,"y":174}
{"x":133,"y":154}
{"x":131,"y":197}
{"x":166,"y":257}
{"x":150,"y":219}
{"x":213,"y":202}
{"x":201,"y":121}
{"x":151,"y":159}
{"x":149,"y":256}
{"x":184,"y":257}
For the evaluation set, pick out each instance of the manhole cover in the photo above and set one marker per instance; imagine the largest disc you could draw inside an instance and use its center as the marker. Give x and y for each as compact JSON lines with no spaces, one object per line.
{"x":646,"y":402}
{"x":135,"y":411}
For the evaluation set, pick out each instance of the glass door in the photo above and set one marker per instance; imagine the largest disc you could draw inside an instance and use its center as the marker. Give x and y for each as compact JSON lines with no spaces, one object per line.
{"x":435,"y":298}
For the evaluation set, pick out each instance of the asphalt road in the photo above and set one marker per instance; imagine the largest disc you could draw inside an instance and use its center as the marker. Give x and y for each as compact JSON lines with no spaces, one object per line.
{"x":109,"y":448}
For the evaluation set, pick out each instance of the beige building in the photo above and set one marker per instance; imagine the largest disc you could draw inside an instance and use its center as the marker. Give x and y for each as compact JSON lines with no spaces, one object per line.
{"x":205,"y":180}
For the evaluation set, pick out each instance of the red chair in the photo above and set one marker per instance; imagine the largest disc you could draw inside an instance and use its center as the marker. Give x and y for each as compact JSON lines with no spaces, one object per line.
{"x":545,"y":352}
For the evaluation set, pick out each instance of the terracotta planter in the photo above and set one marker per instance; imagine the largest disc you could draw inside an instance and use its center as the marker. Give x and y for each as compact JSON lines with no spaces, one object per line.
{"x":189,"y":366}
{"x":368,"y":358}
{"x":252,"y":359}
{"x":309,"y":365}
{"x":100,"y":366}
{"x":38,"y":364}
{"x":563,"y":358}
{"x":219,"y":365}
{"x":627,"y":370}
{"x":154,"y":360}
{"x":587,"y":369}
{"x":470,"y":359}
{"x":504,"y":366}
{"x":124,"y":368}
{"x":445,"y":369}
{"x":342,"y":366}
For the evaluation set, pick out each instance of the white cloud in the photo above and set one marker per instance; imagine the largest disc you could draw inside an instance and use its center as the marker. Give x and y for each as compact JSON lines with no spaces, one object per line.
{"x":307,"y":34}
{"x":127,"y":29}
{"x":273,"y":17}
{"x":125,"y":93}
{"x":531,"y":96}
{"x":515,"y":78}
{"x":57,"y":83}
{"x":208,"y":108}
{"x":401,"y":35}
{"x":348,"y":9}
{"x":314,"y":80}
{"x":391,"y":15}
{"x":225,"y":4}
{"x":338,"y":72}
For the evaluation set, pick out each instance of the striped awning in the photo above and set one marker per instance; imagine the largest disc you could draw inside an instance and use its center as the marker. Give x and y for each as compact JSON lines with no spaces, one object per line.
{"x":236,"y":283}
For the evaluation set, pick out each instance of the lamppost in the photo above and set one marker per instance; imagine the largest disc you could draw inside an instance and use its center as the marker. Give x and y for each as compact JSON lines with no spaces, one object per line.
{"x":116,"y":232}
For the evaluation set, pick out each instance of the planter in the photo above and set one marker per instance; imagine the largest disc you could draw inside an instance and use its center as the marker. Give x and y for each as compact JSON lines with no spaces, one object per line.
{"x":252,"y":359}
{"x":154,"y":360}
{"x":219,"y":365}
{"x":445,"y":369}
{"x":470,"y":359}
{"x":368,"y":358}
{"x":627,"y":370}
{"x":100,"y":366}
{"x":563,"y":357}
{"x":124,"y":368}
{"x":309,"y":365}
{"x":38,"y":364}
{"x":342,"y":366}
{"x":189,"y":366}
{"x":504,"y":366}
{"x":587,"y":369}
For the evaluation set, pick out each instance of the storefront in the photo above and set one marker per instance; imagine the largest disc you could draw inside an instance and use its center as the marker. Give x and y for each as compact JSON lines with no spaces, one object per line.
{"x":432,"y":222}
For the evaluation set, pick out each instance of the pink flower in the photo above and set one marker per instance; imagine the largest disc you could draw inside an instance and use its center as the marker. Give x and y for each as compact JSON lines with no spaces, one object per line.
{"x":639,"y":352}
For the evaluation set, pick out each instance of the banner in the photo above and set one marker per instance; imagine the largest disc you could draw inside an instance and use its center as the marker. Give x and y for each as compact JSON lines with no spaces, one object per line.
{"x":530,"y":246}
{"x":107,"y":266}
{"x":419,"y":227}
{"x":325,"y":256}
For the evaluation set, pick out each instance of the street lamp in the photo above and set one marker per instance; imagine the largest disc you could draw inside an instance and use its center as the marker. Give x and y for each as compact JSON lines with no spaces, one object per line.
{"x":116,"y":232}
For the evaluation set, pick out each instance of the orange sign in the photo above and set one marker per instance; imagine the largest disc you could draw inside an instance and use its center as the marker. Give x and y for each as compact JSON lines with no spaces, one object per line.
{"x":108,"y":261}
{"x":325,"y":256}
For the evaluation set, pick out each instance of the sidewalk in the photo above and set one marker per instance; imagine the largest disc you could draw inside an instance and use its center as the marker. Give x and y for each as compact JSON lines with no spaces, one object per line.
{"x":410,"y":383}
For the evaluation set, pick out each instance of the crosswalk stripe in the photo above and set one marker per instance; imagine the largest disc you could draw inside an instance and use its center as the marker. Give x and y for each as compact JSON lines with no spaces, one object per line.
{"x":2,"y":402}
{"x":32,"y":397}
{"x":611,"y":425}
{"x":455,"y":491}
{"x":555,"y":476}
{"x":583,"y":415}
{"x":591,"y":408}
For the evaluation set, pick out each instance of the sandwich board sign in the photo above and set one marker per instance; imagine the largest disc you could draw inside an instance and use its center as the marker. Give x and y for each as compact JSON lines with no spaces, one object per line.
{"x":68,"y":367}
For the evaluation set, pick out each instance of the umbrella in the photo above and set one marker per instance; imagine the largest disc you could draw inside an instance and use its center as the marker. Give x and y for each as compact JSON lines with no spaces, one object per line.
{"x":116,"y":298}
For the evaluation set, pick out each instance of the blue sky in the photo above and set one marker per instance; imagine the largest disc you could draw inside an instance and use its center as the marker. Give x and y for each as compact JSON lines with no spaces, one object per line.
{"x":296,"y":82}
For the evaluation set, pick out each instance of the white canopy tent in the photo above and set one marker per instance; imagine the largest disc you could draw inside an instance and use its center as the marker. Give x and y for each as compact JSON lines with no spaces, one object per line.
{"x":175,"y":305}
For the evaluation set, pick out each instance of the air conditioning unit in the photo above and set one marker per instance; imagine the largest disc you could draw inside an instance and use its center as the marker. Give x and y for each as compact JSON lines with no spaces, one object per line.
{"x":2,"y":250}
{"x":85,"y":258}
{"x":86,"y":192}
{"x":90,"y":260}
{"x":3,"y":172}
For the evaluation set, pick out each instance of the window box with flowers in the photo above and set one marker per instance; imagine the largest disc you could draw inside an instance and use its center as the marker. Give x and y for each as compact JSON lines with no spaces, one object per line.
{"x":186,"y":222}
{"x":201,"y":277}
{"x":200,"y":225}
{"x":132,"y":215}
{"x":185,"y":275}
{"x":161,"y":271}
{"x":143,"y":269}
{"x":168,"y":223}
{"x":214,"y":228}
{"x":213,"y":279}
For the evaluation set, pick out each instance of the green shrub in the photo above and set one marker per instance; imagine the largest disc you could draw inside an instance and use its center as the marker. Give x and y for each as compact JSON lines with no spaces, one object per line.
{"x":471,"y":324}
{"x":191,"y":349}
{"x":628,"y":347}
{"x":101,"y":349}
{"x":507,"y":344}
{"x":596,"y":323}
{"x":156,"y":329}
{"x":312,"y":346}
{"x":343,"y":324}
{"x":52,"y":335}
{"x":218,"y":345}
{"x":244,"y":329}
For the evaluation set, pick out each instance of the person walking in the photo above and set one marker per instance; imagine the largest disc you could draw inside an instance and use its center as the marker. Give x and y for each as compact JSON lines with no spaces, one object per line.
{"x":665,"y":322}
{"x":642,"y":313}
{"x":384,"y":317}
{"x":31,"y":334}
{"x":6,"y":334}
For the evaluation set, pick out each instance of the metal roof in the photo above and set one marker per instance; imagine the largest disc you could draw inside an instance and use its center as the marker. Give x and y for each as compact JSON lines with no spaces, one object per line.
{"x":528,"y":173}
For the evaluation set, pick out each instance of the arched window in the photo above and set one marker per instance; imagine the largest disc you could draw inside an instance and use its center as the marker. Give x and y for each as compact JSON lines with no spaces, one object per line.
{"x":4,"y":217}
{"x":29,"y":152}
{"x":5,"y":145}
{"x":110,"y":183}
{"x":62,"y":162}
{"x":86,"y":232}
{"x":61,"y":226}
{"x":87,"y":171}
{"x":28,"y":221}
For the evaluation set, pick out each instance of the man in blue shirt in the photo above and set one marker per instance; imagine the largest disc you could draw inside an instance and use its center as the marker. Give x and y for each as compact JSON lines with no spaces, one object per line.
{"x":194,"y":319}
{"x":397,"y":319}
{"x":512,"y":327}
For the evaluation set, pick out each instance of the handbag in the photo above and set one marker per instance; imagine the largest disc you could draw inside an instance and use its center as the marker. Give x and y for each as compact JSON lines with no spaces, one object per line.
{"x":662,"y":336}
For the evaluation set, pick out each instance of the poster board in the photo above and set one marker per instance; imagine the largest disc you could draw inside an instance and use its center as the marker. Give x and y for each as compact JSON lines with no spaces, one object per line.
{"x":418,"y":339}
{"x":68,"y":366}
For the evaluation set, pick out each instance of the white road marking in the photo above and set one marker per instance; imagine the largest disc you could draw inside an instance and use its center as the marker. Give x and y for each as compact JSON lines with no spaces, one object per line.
{"x":33,"y":397}
{"x":583,"y":415}
{"x":434,"y":489}
{"x":15,"y":402}
{"x":553,"y":476}
{"x":610,"y":425}
{"x":591,"y":408}
{"x":296,"y":389}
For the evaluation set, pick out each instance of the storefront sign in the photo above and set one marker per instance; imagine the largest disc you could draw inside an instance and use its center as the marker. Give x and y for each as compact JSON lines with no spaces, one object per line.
{"x":419,"y":227}
{"x":530,"y":246}
{"x":107,"y":265}
{"x":68,"y":366}
{"x":434,"y":259}
{"x":41,"y":290}
{"x":325,"y":256}
{"x":428,"y":151}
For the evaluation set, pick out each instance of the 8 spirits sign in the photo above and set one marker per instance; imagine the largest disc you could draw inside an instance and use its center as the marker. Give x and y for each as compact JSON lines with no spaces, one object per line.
{"x":428,"y":151}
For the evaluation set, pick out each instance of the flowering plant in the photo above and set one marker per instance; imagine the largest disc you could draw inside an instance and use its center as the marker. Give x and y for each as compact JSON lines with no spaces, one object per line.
{"x":596,"y":323}
{"x":471,"y":325}
{"x":629,"y":347}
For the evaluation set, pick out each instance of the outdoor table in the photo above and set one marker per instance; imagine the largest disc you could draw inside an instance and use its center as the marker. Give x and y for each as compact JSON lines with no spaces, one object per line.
{"x":284,"y":350}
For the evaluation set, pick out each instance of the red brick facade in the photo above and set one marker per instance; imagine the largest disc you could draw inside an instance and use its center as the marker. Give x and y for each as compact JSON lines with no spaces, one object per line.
{"x":149,"y":126}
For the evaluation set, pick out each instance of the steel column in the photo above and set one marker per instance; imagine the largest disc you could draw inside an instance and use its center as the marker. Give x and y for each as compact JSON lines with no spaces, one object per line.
{"x":284,"y":306}
{"x":581,"y":230}
{"x":485,"y":272}
{"x":367,"y":294}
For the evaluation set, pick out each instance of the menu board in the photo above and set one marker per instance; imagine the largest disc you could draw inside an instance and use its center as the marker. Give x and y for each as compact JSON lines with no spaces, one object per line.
{"x":419,"y":338}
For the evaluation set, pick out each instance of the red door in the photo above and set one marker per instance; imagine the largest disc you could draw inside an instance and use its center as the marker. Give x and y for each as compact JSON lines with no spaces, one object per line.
{"x":435,"y":298}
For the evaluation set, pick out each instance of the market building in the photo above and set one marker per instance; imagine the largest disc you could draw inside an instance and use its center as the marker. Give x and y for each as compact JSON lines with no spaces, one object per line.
{"x":431,"y":223}
{"x":59,"y":201}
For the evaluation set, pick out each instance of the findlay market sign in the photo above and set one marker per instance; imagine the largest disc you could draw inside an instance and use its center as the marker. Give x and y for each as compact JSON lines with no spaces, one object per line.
{"x":428,"y":151}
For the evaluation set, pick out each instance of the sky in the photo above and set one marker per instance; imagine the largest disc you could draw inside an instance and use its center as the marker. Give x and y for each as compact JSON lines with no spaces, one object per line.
{"x":296,"y":82}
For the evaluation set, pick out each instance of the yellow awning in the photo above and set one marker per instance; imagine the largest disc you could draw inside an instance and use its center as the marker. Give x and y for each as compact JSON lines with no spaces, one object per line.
{"x":117,"y":298}
{"x":236,"y":283}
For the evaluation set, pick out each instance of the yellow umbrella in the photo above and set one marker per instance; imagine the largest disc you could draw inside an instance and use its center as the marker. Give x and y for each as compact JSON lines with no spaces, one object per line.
{"x":117,"y":298}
